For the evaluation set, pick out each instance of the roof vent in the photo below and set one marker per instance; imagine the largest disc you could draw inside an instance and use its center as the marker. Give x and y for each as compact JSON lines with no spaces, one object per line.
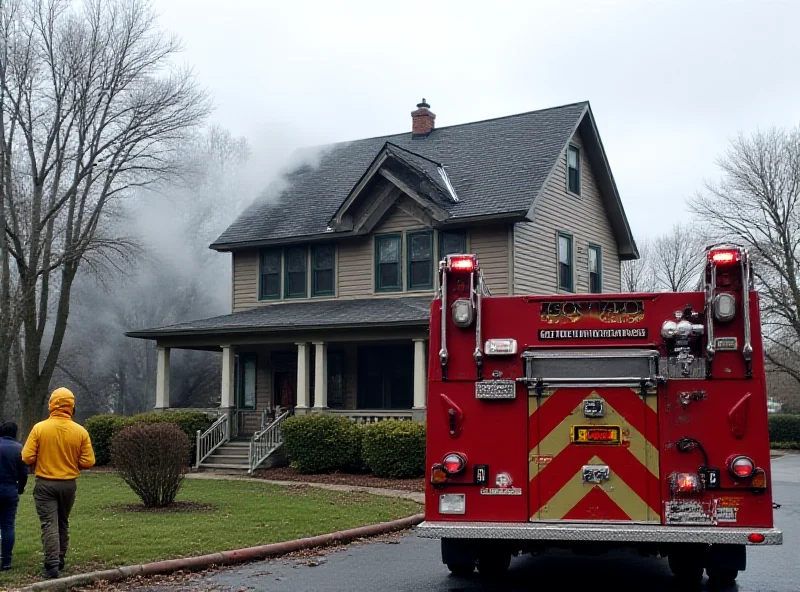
{"x":422,"y":120}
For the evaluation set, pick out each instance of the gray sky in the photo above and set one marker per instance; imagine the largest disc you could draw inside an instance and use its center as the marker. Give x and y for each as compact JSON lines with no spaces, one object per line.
{"x":669,"y":82}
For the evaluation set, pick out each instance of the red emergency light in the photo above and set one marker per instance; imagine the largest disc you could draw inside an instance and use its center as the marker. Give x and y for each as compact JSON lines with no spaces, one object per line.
{"x":724,"y":256}
{"x":466,"y":263}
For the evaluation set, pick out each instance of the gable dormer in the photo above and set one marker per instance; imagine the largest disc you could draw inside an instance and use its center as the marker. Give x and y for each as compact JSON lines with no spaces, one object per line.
{"x":396,"y":172}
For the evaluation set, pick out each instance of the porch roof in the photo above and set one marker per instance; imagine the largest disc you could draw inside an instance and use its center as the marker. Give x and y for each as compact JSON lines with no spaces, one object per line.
{"x":304,"y":316}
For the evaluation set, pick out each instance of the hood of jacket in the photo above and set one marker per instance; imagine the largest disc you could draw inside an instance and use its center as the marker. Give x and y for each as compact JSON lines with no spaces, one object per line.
{"x":62,"y":403}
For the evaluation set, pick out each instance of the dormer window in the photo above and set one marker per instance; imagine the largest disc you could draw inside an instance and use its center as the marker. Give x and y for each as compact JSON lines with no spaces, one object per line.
{"x":574,"y":170}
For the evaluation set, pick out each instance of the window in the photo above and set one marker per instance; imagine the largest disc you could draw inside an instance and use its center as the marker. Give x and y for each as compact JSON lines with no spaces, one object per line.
{"x":452,"y":243}
{"x":270,"y":284}
{"x":574,"y":170}
{"x":246,"y":381}
{"x":387,"y":263}
{"x":565,"y":262}
{"x":595,"y":269}
{"x":296,"y":272}
{"x":420,"y":260}
{"x":322,"y":262}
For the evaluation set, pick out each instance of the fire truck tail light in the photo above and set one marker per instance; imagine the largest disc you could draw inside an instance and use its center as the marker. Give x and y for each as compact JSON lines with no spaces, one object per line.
{"x":759,"y":480}
{"x":454,"y":463}
{"x":438,"y":475}
{"x":463,"y":263}
{"x":756,"y":537}
{"x":500,"y":347}
{"x":452,"y":503}
{"x":741,"y":467}
{"x":724,"y":256}
{"x":684,"y":483}
{"x":463,"y":312}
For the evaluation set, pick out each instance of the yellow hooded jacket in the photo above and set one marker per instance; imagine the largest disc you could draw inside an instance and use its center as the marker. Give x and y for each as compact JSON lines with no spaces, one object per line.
{"x":58,"y":446}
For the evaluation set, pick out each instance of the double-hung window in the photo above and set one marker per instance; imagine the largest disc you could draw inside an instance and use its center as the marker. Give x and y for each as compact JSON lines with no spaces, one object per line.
{"x":388,"y":263}
{"x":296,"y":272}
{"x":595,"y":270}
{"x":420,"y":260}
{"x":270,"y":272}
{"x":322,"y":263}
{"x":452,"y":243}
{"x":574,"y":170}
{"x":564,"y":262}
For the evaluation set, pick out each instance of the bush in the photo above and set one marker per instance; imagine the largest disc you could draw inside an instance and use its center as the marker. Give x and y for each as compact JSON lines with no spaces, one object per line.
{"x":322,"y":443}
{"x":151,"y":459}
{"x":188,"y":421}
{"x":102,"y":429}
{"x":785,"y":446}
{"x":395,"y":449}
{"x":784,"y":428}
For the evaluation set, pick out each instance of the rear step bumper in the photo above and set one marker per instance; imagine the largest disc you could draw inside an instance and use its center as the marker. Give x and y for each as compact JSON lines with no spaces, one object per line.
{"x":623,"y":533}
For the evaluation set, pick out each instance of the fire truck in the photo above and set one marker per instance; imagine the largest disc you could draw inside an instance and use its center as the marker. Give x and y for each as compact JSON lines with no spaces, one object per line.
{"x":594,"y":422}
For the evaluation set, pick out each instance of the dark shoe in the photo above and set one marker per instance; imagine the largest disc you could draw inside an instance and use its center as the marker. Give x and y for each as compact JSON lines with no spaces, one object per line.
{"x":5,"y":567}
{"x":61,"y":564}
{"x":51,"y":574}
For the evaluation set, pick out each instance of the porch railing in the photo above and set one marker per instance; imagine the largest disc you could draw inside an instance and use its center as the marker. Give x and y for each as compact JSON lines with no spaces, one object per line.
{"x":266,"y":441}
{"x":245,"y":418}
{"x":212,"y":438}
{"x":374,"y":415}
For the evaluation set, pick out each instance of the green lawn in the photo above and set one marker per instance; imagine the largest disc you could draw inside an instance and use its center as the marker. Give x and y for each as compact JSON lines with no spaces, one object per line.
{"x":246,"y":514}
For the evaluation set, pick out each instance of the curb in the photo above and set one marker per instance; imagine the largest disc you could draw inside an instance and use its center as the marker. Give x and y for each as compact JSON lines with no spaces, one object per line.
{"x":224,"y":557}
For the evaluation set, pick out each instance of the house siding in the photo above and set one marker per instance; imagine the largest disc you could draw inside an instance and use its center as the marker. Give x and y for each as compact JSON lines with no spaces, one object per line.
{"x":355,"y":262}
{"x":535,"y":269}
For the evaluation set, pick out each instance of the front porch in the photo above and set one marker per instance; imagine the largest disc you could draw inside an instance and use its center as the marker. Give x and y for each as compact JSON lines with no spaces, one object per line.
{"x":369,"y":371}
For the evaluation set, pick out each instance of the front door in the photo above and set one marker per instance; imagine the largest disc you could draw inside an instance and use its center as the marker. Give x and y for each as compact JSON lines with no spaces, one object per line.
{"x":593,"y":445}
{"x":286,"y":389}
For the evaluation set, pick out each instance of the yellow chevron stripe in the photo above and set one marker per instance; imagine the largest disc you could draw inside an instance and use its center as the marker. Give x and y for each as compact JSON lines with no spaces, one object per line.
{"x":557,"y":440}
{"x":533,"y":466}
{"x":575,"y":490}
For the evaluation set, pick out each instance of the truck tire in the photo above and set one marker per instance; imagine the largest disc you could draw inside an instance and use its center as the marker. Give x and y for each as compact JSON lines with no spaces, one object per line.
{"x":686,"y":568}
{"x":493,"y":563}
{"x":461,"y":569}
{"x":722,"y":577}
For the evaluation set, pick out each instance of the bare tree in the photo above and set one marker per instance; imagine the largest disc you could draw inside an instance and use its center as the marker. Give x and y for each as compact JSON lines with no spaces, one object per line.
{"x":92,"y":109}
{"x":755,"y":204}
{"x":677,"y":258}
{"x":637,"y":274}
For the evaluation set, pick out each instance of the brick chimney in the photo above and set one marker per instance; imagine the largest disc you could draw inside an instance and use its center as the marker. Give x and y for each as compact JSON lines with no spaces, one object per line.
{"x":422,"y":120}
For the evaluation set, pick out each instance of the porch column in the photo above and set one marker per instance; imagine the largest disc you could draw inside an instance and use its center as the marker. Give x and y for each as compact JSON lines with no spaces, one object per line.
{"x":303,"y":378}
{"x":162,"y":378}
{"x":320,"y":376}
{"x":227,"y":400}
{"x":420,"y":380}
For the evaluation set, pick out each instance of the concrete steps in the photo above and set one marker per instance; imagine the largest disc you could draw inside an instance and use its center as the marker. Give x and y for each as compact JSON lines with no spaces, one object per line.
{"x":235,"y":456}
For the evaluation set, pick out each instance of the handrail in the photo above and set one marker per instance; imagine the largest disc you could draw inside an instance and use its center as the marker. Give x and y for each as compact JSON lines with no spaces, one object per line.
{"x":265,"y":442}
{"x":214,"y":437}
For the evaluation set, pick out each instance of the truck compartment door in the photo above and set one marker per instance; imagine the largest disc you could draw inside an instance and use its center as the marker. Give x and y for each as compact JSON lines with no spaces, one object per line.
{"x":593,"y":435}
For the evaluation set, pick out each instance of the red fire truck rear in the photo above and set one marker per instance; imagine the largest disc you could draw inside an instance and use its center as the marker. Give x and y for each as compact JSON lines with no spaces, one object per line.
{"x":599,"y":421}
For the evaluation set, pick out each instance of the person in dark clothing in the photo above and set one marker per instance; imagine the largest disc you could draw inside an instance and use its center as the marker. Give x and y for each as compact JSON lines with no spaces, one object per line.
{"x":13,"y":478}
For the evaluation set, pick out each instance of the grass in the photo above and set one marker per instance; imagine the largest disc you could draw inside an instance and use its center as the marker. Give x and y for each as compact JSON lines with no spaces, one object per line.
{"x":103,"y":534}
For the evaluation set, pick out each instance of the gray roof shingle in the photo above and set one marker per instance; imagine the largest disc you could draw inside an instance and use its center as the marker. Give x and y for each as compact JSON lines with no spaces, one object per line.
{"x":293,"y":316}
{"x":496,"y":167}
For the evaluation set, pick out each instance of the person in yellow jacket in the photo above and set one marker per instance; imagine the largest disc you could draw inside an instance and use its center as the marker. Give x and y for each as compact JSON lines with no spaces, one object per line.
{"x":60,"y":449}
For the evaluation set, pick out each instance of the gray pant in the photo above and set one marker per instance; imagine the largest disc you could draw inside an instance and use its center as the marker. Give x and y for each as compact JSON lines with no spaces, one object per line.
{"x":54,"y":500}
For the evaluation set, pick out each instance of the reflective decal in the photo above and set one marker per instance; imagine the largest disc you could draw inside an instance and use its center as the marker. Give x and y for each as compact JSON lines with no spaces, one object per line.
{"x":688,"y":512}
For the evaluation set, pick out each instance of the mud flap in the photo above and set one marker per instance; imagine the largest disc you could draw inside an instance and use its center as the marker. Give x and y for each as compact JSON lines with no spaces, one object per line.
{"x":459,"y":551}
{"x":727,"y":557}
